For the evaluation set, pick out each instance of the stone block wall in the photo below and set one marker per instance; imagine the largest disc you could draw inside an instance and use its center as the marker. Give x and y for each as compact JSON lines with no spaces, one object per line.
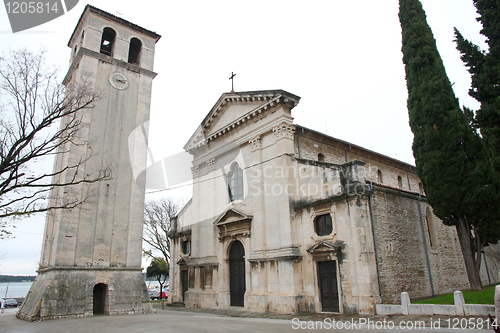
{"x":402,"y":248}
{"x":309,"y":145}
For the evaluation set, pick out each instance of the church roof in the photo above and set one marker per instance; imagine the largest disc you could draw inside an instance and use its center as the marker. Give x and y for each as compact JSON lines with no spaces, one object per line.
{"x":266,"y":100}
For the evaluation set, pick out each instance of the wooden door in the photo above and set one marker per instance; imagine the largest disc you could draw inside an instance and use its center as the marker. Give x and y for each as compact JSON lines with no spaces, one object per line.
{"x":184,"y":283}
{"x":327,"y":275}
{"x":237,"y":286}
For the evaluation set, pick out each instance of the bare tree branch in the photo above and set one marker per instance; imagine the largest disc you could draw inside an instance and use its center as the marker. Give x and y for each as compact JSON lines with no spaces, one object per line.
{"x":157,"y":217}
{"x":39,"y":117}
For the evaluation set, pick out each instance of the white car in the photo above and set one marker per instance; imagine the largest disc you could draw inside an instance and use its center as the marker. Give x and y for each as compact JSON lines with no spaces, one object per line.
{"x":154,"y":294}
{"x":10,"y":302}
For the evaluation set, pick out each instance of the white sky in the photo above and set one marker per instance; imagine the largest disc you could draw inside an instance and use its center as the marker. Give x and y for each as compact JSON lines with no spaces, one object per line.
{"x":343,"y":58}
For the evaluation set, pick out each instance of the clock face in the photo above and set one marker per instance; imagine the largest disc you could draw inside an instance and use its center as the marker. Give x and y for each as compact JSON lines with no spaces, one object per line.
{"x":118,"y":81}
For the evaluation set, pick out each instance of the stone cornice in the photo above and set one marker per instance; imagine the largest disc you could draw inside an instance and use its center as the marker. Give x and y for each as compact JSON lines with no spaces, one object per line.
{"x":89,"y":268}
{"x":269,"y":98}
{"x":84,"y":51}
{"x":261,"y":131}
{"x":287,"y":253}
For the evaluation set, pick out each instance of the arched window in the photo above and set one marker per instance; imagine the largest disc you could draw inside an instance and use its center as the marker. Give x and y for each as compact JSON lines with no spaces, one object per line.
{"x":134,"y":51}
{"x":379,"y":176}
{"x":321,"y":157}
{"x":430,"y":227}
{"x":421,"y":188}
{"x":400,"y":182}
{"x":323,"y":225}
{"x":108,"y":41}
{"x":235,"y":182}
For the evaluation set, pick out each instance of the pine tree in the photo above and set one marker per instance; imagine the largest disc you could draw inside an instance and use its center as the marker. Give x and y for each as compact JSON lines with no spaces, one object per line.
{"x":450,"y":157}
{"x":484,"y":67}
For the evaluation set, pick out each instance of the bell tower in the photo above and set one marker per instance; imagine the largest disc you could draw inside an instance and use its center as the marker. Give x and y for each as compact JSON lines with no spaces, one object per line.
{"x":91,"y":256}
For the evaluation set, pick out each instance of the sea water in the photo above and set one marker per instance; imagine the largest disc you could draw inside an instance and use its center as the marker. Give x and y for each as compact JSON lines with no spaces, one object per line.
{"x":20,"y":289}
{"x":14,"y":289}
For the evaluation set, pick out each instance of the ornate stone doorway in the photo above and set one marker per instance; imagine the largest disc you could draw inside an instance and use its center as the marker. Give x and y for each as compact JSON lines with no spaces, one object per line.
{"x":327,"y":281}
{"x":101,"y":299}
{"x":237,"y":286}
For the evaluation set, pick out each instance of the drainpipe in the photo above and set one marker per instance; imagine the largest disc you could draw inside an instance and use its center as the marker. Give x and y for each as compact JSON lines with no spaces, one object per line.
{"x":408,"y":178}
{"x":375,"y":240}
{"x":347,"y":158}
{"x":425,"y":245}
{"x":298,"y":142}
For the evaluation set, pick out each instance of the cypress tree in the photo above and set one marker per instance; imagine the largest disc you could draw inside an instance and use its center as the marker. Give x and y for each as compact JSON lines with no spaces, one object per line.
{"x":450,"y":158}
{"x":484,"y":67}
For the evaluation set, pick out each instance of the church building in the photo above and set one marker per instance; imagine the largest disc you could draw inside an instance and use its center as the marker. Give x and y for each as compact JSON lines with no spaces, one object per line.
{"x":287,"y":219}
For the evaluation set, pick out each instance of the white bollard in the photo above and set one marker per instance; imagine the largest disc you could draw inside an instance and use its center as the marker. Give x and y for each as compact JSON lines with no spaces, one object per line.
{"x":459,"y":303}
{"x":405,"y":303}
{"x":497,"y":302}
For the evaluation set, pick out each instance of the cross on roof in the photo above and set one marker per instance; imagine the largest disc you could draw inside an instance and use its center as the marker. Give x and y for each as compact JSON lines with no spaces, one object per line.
{"x":232,"y":81}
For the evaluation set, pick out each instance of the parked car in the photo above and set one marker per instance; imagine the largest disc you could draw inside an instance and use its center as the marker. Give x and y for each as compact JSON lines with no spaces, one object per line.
{"x":164,"y":295}
{"x":10,"y":302}
{"x":154,"y":294}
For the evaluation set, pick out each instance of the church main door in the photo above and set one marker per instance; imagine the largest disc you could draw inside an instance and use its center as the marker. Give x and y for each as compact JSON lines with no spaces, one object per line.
{"x":237,"y":274}
{"x":327,"y":274}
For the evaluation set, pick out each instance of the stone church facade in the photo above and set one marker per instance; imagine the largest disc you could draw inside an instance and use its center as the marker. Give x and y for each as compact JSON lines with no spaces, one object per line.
{"x":287,"y":219}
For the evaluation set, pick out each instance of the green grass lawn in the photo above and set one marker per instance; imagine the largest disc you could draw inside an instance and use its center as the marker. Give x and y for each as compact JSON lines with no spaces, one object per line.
{"x":485,"y":296}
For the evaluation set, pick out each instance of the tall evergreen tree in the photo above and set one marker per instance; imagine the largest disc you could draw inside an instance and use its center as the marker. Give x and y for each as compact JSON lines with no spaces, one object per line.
{"x":450,"y":158}
{"x":484,"y":67}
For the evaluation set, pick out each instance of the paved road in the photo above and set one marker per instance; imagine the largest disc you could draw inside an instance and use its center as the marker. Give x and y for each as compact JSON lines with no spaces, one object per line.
{"x":187,"y":322}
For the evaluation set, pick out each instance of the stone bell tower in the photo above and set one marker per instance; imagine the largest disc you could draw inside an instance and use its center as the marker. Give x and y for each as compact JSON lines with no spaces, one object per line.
{"x":91,"y":256}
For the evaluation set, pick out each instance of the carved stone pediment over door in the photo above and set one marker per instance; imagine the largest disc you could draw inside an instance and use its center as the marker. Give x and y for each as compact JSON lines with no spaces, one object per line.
{"x":324,"y":250}
{"x":233,"y":222}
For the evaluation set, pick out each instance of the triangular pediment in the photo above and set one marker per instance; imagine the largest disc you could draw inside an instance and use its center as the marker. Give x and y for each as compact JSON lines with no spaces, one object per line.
{"x":321,"y":247}
{"x":234,"y":109}
{"x":182,"y":261}
{"x":232,"y":215}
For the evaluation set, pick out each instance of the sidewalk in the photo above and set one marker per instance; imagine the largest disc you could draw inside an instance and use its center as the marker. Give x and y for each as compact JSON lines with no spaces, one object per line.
{"x":445,"y":321}
{"x":194,"y":320}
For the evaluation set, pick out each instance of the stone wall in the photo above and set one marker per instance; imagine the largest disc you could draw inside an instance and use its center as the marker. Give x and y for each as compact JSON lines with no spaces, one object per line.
{"x":402,"y":248}
{"x":308,"y":145}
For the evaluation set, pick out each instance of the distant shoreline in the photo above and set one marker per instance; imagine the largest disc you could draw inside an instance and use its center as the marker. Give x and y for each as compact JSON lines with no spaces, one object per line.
{"x":17,"y":278}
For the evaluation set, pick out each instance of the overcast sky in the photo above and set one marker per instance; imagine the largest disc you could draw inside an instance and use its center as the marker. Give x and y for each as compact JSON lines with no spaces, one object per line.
{"x":343,"y":58}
